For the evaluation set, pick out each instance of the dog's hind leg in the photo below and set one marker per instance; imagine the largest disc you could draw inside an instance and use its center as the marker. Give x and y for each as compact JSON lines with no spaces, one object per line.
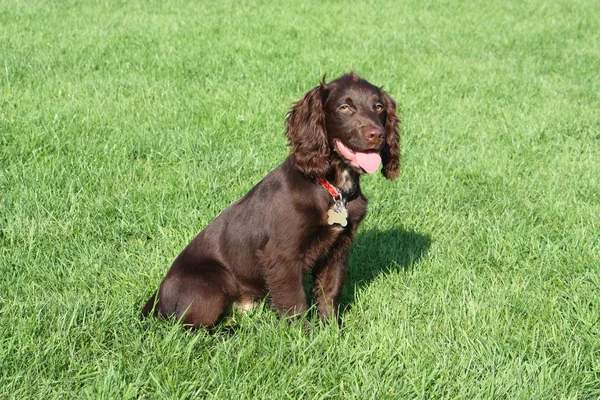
{"x":196,"y":294}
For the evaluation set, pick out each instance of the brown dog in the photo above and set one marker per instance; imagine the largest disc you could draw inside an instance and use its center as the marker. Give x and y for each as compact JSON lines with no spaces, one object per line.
{"x":301,"y":218}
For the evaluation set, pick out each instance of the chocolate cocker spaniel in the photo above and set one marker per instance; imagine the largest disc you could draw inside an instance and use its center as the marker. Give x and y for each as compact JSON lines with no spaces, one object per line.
{"x":300,"y":219}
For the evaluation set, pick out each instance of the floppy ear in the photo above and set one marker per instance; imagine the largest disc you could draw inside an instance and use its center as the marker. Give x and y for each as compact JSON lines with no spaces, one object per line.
{"x":305,"y":129}
{"x":390,"y":154}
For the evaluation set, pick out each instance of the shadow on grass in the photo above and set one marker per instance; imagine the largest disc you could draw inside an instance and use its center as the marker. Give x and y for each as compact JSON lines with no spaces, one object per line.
{"x":375,"y":252}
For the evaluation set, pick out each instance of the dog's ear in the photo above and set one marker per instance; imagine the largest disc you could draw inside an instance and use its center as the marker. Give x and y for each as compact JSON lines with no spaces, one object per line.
{"x":305,"y":129}
{"x":390,"y":154}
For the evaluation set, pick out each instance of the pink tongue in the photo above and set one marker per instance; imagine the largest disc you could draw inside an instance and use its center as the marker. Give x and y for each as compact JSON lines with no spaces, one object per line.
{"x":368,"y":161}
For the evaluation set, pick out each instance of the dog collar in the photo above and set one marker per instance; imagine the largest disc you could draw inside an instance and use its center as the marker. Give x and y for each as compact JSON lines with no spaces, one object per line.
{"x":335,"y":192}
{"x":338,"y":213}
{"x":330,"y":188}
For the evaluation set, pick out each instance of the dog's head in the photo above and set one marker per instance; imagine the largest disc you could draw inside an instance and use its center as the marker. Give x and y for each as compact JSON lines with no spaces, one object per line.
{"x":348,"y":119}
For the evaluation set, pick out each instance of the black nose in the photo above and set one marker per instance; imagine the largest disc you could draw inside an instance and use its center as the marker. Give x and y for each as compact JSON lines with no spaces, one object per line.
{"x":374,"y":135}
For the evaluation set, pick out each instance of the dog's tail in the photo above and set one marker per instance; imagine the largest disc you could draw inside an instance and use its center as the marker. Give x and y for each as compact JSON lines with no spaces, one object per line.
{"x":151,"y":306}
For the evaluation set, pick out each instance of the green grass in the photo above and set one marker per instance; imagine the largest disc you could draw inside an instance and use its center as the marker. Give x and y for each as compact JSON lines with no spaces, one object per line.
{"x":126,"y":127}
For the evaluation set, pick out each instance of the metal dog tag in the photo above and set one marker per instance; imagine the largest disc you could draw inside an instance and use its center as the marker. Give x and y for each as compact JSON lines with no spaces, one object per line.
{"x":338,"y":214}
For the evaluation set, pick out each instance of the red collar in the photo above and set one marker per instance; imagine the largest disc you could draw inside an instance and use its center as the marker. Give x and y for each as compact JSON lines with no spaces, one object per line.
{"x":330,"y":188}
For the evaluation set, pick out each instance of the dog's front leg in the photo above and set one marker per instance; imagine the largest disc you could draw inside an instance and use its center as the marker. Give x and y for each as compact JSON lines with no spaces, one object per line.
{"x":329,"y":278}
{"x":286,"y":289}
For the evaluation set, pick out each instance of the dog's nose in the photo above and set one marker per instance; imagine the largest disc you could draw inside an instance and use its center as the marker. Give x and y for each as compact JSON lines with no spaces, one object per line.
{"x":374,"y":135}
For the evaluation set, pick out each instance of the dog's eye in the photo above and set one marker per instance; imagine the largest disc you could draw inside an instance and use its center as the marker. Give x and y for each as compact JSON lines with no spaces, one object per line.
{"x":379,"y":107}
{"x":344,"y":108}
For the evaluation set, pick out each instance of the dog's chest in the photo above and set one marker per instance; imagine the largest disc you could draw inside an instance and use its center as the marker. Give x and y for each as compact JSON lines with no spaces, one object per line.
{"x":325,"y":236}
{"x":320,"y":243}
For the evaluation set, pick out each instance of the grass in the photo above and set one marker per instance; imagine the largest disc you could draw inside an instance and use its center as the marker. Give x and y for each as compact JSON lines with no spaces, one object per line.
{"x":125,"y":127}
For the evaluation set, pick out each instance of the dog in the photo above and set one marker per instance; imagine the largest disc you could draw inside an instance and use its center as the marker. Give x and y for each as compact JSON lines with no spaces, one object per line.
{"x":300,"y":219}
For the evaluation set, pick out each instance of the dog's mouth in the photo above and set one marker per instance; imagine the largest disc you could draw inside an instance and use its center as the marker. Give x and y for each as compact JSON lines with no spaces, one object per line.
{"x":368,"y":160}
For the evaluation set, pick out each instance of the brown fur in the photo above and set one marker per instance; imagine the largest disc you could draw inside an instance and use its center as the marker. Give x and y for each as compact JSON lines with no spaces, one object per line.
{"x":266,"y":241}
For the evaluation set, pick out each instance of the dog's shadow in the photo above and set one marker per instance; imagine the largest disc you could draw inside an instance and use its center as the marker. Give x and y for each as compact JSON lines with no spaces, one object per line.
{"x":375,"y":252}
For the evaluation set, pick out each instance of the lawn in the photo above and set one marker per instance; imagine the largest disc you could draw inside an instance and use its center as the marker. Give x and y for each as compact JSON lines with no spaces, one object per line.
{"x":126,"y":127}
